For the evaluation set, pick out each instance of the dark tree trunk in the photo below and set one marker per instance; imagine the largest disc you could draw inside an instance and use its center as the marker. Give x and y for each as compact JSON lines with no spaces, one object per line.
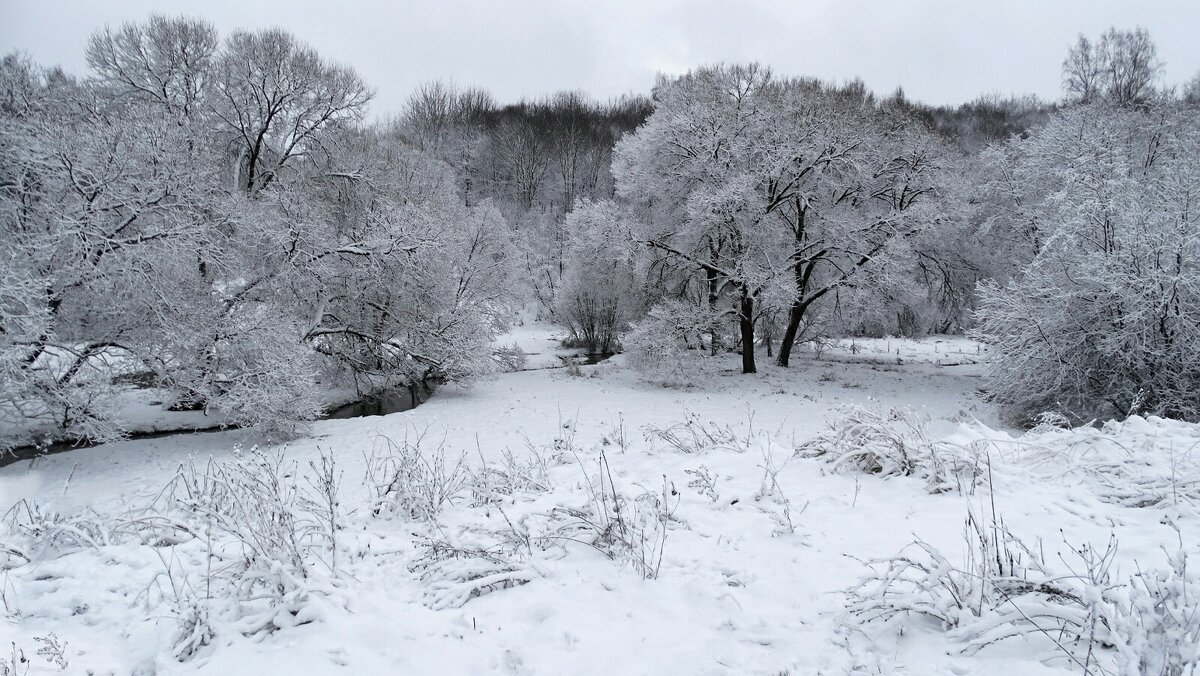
{"x":713,"y":288}
{"x":802,"y":269}
{"x":795,"y":316}
{"x":746,"y":324}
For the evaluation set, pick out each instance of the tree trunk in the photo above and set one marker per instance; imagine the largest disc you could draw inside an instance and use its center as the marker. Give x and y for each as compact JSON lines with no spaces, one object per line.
{"x":713,"y":286}
{"x":746,"y":324}
{"x":795,"y":316}
{"x":802,"y":269}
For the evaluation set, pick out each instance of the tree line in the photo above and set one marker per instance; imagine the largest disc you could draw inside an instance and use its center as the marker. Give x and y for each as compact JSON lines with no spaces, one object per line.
{"x":222,"y":215}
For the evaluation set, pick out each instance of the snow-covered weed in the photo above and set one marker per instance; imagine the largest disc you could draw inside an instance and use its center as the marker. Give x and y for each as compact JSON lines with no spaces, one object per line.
{"x":1139,"y":462}
{"x":694,"y":435}
{"x":190,"y":601}
{"x":454,"y":573}
{"x":35,"y":531}
{"x":50,"y":648}
{"x":1156,"y":620}
{"x":252,"y":500}
{"x":263,"y":532}
{"x":618,"y":434}
{"x":16,"y":663}
{"x":623,"y":528}
{"x":404,"y":479}
{"x":769,"y":488}
{"x":1006,"y":589}
{"x":496,"y":481}
{"x":893,"y":444}
{"x":998,"y":567}
{"x":704,"y":481}
{"x":321,"y":503}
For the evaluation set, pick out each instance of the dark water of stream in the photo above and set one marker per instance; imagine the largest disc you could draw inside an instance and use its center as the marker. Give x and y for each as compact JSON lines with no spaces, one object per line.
{"x":395,"y":400}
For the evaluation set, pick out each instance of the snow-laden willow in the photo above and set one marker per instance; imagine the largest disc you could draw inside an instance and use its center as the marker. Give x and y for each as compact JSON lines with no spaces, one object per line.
{"x":218,"y":214}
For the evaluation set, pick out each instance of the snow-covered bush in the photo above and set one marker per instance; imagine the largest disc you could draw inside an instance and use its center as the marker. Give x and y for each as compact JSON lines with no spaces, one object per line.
{"x":893,"y":444}
{"x":1097,"y":322}
{"x":667,"y":344}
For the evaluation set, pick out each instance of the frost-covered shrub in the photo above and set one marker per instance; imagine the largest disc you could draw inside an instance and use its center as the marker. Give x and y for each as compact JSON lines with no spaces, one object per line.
{"x":667,"y":344}
{"x":893,"y":444}
{"x":1099,"y":322}
{"x":598,"y":293}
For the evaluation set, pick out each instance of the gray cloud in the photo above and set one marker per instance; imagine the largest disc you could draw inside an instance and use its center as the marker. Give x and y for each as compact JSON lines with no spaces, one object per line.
{"x":941,"y":51}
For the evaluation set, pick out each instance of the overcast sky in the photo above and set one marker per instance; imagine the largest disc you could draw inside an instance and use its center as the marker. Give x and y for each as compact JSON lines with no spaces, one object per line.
{"x":941,"y":51}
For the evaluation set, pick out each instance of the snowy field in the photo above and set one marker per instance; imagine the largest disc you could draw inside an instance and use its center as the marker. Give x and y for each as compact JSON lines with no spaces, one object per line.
{"x":542,"y":522}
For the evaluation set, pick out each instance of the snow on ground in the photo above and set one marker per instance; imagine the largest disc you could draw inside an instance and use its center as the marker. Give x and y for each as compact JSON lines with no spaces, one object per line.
{"x":541,"y":342}
{"x":940,"y":350}
{"x":733,"y":588}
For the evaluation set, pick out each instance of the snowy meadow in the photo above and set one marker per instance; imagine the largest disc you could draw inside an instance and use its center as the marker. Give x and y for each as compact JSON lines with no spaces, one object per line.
{"x":756,"y":374}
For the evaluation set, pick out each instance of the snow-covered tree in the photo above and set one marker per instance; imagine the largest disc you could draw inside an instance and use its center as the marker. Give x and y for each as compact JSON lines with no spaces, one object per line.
{"x":338,"y":252}
{"x":276,"y":98}
{"x":95,"y":193}
{"x":599,"y":292}
{"x":746,"y":179}
{"x":165,"y":60}
{"x":1122,"y":68}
